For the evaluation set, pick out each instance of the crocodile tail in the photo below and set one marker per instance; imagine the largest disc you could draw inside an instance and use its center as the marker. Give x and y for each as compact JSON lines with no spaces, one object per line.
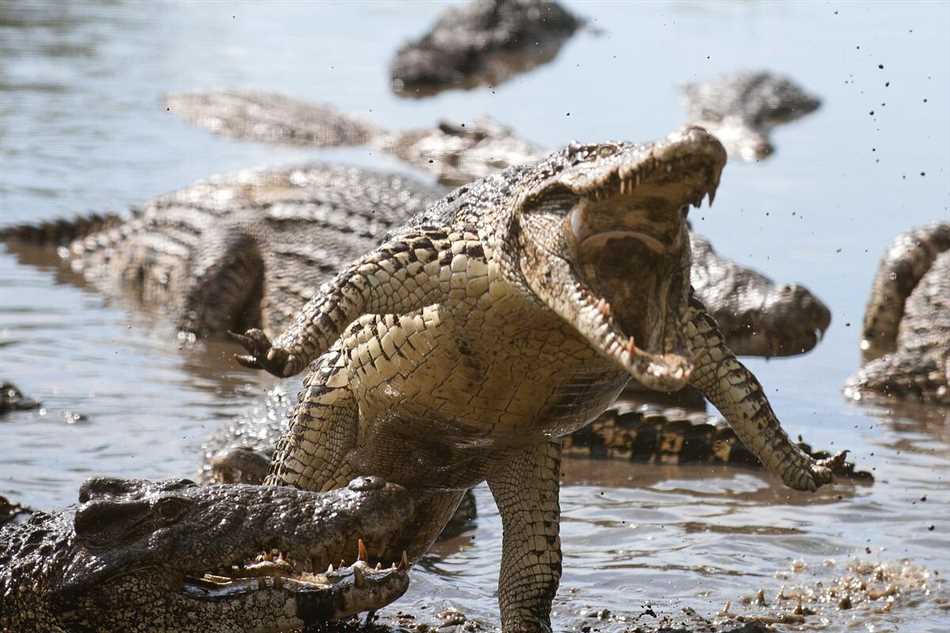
{"x":271,"y":118}
{"x":905,"y":263}
{"x":61,"y":231}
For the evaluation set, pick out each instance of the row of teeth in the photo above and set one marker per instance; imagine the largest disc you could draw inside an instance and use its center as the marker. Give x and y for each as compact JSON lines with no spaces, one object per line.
{"x":629,"y":182}
{"x":274,"y":567}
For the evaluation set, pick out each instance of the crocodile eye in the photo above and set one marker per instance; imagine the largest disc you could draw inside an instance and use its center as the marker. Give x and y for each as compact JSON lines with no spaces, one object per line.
{"x":171,"y":508}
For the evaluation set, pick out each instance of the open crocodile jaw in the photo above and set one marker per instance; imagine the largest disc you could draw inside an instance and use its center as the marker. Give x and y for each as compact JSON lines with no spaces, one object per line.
{"x":628,"y":252}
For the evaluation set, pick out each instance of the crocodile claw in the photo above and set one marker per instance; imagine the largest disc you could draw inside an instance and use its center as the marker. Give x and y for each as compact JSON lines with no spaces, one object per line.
{"x":812,"y":475}
{"x":262,"y":354}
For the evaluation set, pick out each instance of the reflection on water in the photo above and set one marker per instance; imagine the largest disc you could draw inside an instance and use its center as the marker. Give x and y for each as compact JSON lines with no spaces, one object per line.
{"x":80,"y":128}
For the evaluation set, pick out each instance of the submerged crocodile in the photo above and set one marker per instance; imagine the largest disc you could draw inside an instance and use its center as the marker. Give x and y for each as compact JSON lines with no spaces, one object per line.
{"x":482,"y":42}
{"x":289,"y":230}
{"x":173,"y":557}
{"x":742,"y":108}
{"x":509,"y":314}
{"x":12,"y":399}
{"x":906,"y":336}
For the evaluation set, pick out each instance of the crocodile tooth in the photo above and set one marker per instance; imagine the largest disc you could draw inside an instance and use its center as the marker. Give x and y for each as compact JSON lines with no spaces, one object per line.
{"x":330,"y":568}
{"x":358,"y":578}
{"x":404,"y":563}
{"x":378,"y":567}
{"x":360,"y":550}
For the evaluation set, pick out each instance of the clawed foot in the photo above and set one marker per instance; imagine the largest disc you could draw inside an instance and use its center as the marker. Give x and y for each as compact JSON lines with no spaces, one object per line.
{"x":263,"y":355}
{"x":813,"y":474}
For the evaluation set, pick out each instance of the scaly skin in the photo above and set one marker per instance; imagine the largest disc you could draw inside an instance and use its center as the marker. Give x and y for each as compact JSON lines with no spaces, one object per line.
{"x":242,"y":250}
{"x":757,"y":316}
{"x":482,"y":42}
{"x":506,"y":316}
{"x":906,"y":344}
{"x":673,"y":436}
{"x":159,"y":557}
{"x":742,"y":108}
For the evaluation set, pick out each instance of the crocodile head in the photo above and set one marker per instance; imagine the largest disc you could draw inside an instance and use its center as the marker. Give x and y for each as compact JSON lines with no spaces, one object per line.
{"x":242,"y":557}
{"x":603,"y":242}
{"x":757,"y":316}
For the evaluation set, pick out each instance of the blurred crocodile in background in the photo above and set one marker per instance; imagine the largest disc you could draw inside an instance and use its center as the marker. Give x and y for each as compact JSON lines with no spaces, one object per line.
{"x":12,"y":399}
{"x":174,"y":557}
{"x":250,"y":248}
{"x":483,"y":42}
{"x":742,"y":108}
{"x":906,"y":338}
{"x":243,"y":250}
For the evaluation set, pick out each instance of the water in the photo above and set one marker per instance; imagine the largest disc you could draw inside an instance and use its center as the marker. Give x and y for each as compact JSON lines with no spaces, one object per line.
{"x":81,"y":128}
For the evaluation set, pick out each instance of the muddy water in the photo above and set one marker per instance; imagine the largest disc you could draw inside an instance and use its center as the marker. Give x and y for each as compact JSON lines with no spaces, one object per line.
{"x":81,"y":128}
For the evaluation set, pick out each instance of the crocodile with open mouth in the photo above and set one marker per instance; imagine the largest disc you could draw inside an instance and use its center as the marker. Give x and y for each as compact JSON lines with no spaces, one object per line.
{"x":509,"y":314}
{"x":173,"y":557}
{"x":906,"y":336}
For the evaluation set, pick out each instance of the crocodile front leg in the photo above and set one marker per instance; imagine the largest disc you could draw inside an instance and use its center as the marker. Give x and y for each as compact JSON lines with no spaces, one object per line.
{"x":405,"y":274}
{"x":525,"y":486}
{"x":323,"y":428}
{"x":737,"y":394}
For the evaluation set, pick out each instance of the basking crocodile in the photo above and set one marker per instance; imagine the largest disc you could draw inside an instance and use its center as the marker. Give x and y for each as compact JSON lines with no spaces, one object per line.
{"x":742,"y":108}
{"x":239,"y":250}
{"x":174,"y":557}
{"x":906,"y":344}
{"x":12,"y":399}
{"x":289,"y":230}
{"x":482,"y":42}
{"x":509,"y":314}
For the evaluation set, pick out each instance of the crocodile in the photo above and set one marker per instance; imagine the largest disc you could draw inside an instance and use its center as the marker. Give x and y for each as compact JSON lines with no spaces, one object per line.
{"x":509,"y":314}
{"x":742,"y":108}
{"x":171,"y":556}
{"x":455,"y":152}
{"x":190,"y":249}
{"x":906,"y":332}
{"x":482,"y":42}
{"x":12,"y":399}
